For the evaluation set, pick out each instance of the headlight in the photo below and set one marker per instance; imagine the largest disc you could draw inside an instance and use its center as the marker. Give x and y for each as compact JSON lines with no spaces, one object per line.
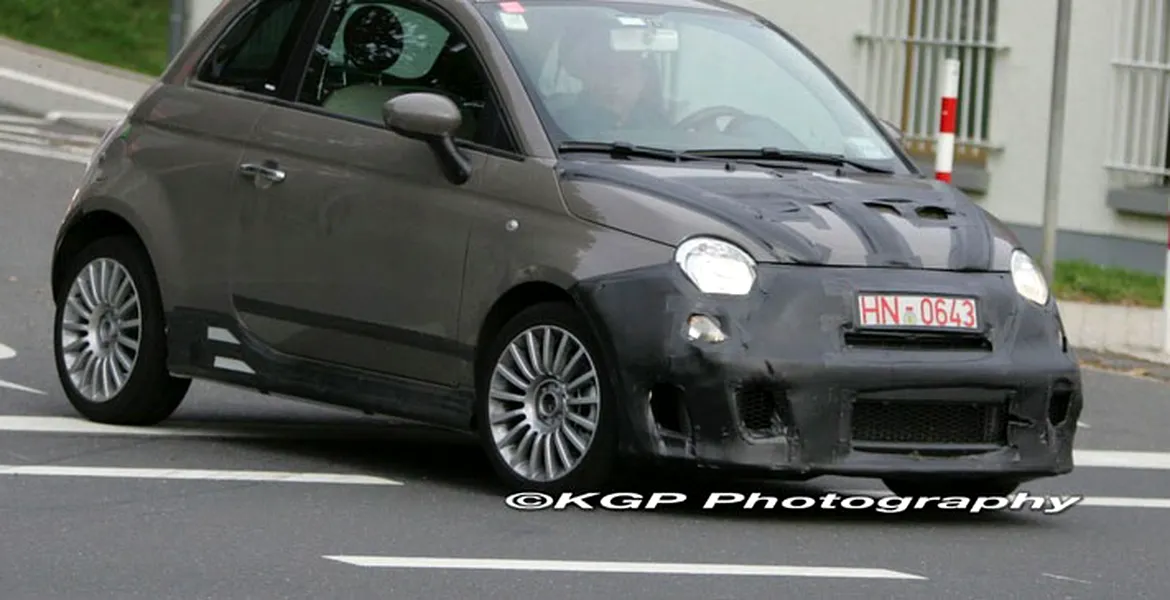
{"x":1028,"y":279}
{"x":716,"y":266}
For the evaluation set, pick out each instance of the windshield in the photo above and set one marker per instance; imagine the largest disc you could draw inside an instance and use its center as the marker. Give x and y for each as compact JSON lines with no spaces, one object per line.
{"x":681,"y":79}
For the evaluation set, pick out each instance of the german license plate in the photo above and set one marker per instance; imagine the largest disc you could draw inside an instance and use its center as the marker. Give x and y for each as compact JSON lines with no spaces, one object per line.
{"x":918,"y":312}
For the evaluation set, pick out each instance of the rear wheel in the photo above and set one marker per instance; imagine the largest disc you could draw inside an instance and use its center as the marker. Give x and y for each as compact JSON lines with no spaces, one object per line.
{"x":110,"y":340}
{"x":965,"y":488}
{"x":546,"y":405}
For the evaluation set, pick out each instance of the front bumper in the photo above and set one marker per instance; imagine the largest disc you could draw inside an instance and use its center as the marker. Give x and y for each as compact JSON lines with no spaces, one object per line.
{"x":797,"y":389}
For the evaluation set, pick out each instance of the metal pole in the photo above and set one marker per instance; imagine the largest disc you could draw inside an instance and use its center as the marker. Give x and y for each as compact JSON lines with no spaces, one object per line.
{"x":1166,"y":292}
{"x":1056,"y":137}
{"x":178,"y":27}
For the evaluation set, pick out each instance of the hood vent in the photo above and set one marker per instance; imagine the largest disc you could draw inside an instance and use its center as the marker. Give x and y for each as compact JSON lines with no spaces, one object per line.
{"x":929,"y":212}
{"x":937,"y":213}
{"x":884,"y":208}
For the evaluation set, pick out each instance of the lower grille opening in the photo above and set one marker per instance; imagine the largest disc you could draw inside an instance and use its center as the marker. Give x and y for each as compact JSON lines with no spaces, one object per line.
{"x":917,"y":341}
{"x":668,"y":410}
{"x":763,"y":408}
{"x":1059,"y":403}
{"x":929,"y":423}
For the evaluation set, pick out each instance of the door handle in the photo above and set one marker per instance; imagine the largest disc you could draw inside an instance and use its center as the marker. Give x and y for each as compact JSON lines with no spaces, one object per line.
{"x":270,"y":173}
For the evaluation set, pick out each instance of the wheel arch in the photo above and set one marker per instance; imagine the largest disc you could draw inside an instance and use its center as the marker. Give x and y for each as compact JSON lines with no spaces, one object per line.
{"x":86,"y":229}
{"x":519,"y":298}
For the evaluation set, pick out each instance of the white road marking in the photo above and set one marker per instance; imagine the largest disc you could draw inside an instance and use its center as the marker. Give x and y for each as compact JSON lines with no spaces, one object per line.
{"x":1118,"y":502}
{"x":194,"y":475}
{"x":647,"y":568}
{"x":40,"y":152}
{"x":219,"y":334}
{"x":21,"y":388}
{"x":1063,"y":578}
{"x":1115,"y":459}
{"x":21,"y":119}
{"x":177,"y":429}
{"x":232,"y":364}
{"x":5,"y":354}
{"x":37,"y":133}
{"x":1083,"y":425}
{"x":57,"y":115}
{"x":63,"y":88}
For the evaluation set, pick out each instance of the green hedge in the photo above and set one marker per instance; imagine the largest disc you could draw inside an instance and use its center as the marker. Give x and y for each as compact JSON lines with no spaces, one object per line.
{"x":131,"y":34}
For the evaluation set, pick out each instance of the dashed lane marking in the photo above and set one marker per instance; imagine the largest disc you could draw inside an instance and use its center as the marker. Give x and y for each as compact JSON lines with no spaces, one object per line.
{"x":643,"y":568}
{"x":179,"y":429}
{"x":5,"y":354}
{"x":195,"y":475}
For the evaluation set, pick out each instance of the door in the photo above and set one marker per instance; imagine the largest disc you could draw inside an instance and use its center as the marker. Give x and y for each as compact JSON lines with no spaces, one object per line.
{"x":354,"y":242}
{"x":196,"y":133}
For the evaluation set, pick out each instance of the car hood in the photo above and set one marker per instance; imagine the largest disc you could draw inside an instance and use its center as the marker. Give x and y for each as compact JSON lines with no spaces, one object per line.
{"x":813,"y":217}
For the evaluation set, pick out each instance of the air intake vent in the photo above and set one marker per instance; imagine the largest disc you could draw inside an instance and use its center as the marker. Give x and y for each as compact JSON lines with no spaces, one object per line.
{"x":928,"y":423}
{"x":763,"y":409}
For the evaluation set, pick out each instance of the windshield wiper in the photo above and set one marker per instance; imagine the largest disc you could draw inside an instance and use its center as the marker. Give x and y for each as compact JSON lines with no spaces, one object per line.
{"x":792,"y":155}
{"x":625,"y":150}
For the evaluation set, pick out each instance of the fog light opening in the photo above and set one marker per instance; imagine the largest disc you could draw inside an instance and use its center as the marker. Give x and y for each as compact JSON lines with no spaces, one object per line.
{"x":704,"y":328}
{"x":1059,"y":403}
{"x":668,"y":410}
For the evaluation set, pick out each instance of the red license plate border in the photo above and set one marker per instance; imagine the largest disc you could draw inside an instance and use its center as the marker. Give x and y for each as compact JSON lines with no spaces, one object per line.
{"x":860,"y":321}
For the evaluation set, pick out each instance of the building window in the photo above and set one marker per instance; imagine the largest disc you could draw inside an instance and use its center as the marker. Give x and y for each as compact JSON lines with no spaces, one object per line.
{"x":902,"y":59}
{"x":1139,"y":147}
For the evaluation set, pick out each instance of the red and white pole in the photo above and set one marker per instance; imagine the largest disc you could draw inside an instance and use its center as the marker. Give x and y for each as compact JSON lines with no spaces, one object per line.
{"x":944,"y":153}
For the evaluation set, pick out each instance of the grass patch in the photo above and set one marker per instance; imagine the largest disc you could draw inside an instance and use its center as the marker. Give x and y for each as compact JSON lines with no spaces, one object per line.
{"x":1088,"y":282}
{"x":131,"y":34}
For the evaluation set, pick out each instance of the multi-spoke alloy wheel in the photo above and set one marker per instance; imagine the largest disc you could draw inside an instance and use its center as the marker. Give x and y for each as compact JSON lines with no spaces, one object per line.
{"x":101,"y":329}
{"x":110,"y":340}
{"x":545,"y":401}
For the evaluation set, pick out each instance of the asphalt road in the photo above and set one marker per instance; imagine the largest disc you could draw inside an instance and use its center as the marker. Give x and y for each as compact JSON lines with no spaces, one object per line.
{"x":102,"y":531}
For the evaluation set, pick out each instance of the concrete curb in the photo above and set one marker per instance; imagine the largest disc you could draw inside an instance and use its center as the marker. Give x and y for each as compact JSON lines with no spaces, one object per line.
{"x":1122,"y":363}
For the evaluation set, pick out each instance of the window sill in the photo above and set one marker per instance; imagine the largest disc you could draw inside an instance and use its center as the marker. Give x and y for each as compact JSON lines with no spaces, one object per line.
{"x":966,"y":177}
{"x":1152,"y":201}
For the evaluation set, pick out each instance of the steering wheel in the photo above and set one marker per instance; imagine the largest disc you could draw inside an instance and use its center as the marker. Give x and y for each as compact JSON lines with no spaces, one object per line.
{"x":707,"y":118}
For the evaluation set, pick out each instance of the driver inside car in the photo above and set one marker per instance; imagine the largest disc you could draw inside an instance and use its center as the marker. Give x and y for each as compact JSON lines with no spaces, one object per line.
{"x":619,"y":89}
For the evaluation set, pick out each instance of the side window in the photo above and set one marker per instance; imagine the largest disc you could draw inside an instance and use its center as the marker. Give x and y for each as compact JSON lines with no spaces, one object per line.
{"x":372,"y":51}
{"x":254,"y":52}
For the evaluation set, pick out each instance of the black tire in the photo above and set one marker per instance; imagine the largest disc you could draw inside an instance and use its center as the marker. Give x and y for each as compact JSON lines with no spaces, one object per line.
{"x":150,"y":394}
{"x":597,"y":466}
{"x":963,"y":488}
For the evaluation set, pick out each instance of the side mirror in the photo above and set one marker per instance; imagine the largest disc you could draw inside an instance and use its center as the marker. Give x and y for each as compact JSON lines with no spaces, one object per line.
{"x":893,"y":130}
{"x":433,"y":119}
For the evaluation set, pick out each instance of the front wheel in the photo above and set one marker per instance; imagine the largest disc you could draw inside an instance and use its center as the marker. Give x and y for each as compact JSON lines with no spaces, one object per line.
{"x":109,"y":338}
{"x":963,"y":488}
{"x":546,"y":405}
